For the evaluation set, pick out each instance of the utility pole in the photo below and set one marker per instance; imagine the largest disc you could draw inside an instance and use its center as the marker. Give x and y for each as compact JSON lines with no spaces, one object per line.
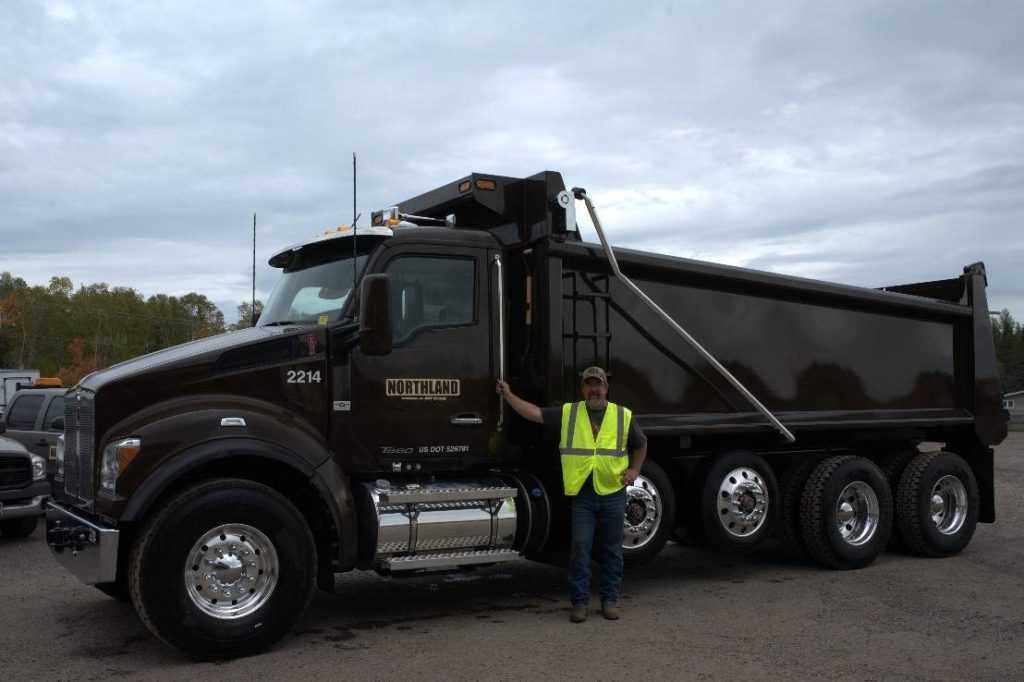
{"x":354,"y":230}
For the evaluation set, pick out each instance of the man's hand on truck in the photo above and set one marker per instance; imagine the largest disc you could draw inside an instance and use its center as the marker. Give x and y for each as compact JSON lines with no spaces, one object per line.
{"x":526,"y":410}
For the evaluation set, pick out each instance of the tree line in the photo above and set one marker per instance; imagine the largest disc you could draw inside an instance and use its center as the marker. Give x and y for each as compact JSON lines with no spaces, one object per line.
{"x":1008,"y":335}
{"x":68,"y":333}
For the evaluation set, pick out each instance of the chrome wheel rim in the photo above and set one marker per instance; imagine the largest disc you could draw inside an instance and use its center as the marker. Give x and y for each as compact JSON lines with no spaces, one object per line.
{"x":643,"y":513}
{"x":949,"y":505}
{"x":857,"y":513}
{"x":742,"y":502}
{"x":231,"y":571}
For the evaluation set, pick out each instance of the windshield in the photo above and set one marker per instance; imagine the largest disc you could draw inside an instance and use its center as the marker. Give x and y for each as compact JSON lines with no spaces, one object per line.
{"x":316,"y":283}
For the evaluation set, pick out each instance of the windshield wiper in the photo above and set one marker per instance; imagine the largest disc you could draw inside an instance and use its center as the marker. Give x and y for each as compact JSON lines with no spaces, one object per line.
{"x":282,"y":323}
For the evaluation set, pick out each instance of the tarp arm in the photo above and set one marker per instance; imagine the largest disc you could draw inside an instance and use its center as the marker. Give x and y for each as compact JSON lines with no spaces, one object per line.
{"x":580,"y":193}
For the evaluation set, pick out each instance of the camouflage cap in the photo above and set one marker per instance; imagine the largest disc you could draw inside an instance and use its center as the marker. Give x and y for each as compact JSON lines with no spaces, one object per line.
{"x":595,"y":373}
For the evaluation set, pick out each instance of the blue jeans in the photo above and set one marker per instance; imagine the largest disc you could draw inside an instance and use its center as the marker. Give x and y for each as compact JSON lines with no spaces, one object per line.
{"x":603,"y":514}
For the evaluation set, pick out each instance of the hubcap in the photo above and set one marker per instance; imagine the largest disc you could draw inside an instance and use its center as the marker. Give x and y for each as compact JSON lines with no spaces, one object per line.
{"x":949,"y":505}
{"x":231,"y":571}
{"x":857,"y":513}
{"x":643,"y":513}
{"x":742,"y":502}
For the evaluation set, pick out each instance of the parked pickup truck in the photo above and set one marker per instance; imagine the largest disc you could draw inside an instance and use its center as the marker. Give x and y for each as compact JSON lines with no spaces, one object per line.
{"x":23,"y":488}
{"x":36,"y":420}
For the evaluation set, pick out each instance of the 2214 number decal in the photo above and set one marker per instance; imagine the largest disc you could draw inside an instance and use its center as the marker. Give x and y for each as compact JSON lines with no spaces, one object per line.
{"x":301,"y":376}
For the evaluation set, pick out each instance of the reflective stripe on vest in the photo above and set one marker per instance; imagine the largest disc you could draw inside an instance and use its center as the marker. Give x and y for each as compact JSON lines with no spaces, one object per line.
{"x":582,"y":455}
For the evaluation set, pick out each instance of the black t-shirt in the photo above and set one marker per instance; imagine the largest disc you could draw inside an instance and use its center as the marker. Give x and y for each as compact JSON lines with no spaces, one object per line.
{"x":552,"y":417}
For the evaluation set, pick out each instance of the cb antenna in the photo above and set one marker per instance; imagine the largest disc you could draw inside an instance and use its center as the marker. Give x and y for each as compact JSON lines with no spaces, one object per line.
{"x":252,"y":311}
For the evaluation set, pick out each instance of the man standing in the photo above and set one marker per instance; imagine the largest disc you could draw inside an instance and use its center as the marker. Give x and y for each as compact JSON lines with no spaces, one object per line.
{"x":595,"y":471}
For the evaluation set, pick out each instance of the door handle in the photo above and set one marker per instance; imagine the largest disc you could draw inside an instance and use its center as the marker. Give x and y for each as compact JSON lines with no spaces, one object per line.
{"x":467,"y":419}
{"x":42,"y":441}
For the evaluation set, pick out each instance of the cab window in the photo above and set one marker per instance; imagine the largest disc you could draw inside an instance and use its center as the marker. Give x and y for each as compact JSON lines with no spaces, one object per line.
{"x":56,"y":409}
{"x":22,"y":414}
{"x":430,"y":292}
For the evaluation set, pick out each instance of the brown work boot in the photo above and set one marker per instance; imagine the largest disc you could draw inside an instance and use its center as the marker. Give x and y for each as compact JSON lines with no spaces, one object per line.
{"x":610,"y":610}
{"x":579,"y":613}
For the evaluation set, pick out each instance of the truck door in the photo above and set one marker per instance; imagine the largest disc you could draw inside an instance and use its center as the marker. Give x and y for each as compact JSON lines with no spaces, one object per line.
{"x":430,"y":403}
{"x":22,"y":421}
{"x":44,"y":439}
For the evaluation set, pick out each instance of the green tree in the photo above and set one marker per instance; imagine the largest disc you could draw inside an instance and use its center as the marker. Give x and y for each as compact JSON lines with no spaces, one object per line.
{"x":59,"y":330}
{"x":245,"y":314}
{"x":1008,"y":336}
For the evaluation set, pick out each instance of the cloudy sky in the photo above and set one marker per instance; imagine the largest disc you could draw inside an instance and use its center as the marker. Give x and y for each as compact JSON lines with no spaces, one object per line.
{"x":859,"y":142}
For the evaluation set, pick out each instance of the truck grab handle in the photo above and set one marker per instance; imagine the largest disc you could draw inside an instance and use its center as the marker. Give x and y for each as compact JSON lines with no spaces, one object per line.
{"x":501,"y":335}
{"x":581,"y":193}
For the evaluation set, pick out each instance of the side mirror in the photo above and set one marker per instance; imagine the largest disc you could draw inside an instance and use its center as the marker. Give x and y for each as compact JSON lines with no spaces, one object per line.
{"x":57,"y":424}
{"x":375,"y":315}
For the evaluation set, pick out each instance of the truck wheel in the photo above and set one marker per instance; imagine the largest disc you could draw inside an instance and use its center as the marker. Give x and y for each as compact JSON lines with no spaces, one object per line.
{"x":19,"y":528}
{"x":739,"y":502}
{"x":846,"y":512}
{"x":223,"y":569}
{"x":793,"y":482}
{"x":650,"y":515}
{"x":937,"y":504}
{"x":893,"y":465}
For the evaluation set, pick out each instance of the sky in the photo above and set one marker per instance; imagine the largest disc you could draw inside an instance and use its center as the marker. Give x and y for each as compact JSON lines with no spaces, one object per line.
{"x":867,"y":143}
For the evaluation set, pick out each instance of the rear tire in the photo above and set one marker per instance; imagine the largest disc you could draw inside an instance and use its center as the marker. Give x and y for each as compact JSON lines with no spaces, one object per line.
{"x":19,"y":528}
{"x":893,"y":465}
{"x":224,"y":569}
{"x":650,"y":515}
{"x":793,"y":482}
{"x":846,"y":512}
{"x":739,"y":502}
{"x":937,"y":504}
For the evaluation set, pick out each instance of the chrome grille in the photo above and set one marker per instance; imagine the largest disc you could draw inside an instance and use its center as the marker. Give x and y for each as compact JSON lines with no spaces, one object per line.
{"x":15,"y":471}
{"x":79,"y":436}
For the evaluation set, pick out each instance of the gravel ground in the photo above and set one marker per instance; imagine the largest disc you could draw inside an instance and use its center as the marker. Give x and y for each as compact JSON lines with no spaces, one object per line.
{"x":690,"y":614}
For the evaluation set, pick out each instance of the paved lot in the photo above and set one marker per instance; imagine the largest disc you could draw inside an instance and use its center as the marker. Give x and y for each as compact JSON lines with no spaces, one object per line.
{"x":691,"y":614}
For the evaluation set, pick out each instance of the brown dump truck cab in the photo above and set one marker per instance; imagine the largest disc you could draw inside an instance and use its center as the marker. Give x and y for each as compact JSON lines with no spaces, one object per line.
{"x":216,"y":484}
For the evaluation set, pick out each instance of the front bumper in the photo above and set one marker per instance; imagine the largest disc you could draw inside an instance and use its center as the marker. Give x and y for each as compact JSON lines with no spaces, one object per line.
{"x":28,"y":501}
{"x":84,"y":547}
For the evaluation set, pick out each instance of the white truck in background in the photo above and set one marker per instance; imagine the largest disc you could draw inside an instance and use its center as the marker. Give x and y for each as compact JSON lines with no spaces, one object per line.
{"x":13,"y":379}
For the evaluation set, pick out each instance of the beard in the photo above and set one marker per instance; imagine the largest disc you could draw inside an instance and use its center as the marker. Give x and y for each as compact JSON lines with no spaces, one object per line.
{"x":597,"y":403}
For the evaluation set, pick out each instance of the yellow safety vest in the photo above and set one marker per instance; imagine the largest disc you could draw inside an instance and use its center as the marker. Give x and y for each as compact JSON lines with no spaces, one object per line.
{"x":606,"y":458}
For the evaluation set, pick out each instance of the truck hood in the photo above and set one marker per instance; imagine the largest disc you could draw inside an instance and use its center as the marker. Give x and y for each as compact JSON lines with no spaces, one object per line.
{"x":204,"y":350}
{"x":9,"y":446}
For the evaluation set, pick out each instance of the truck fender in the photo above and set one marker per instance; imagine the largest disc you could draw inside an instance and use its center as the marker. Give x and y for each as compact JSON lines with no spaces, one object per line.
{"x":330,"y":482}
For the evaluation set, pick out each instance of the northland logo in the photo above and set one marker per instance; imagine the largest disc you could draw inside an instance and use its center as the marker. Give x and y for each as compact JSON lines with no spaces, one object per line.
{"x":423,"y":389}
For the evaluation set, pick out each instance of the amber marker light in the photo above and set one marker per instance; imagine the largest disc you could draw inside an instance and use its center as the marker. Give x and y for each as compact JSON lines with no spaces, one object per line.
{"x":488,"y":185}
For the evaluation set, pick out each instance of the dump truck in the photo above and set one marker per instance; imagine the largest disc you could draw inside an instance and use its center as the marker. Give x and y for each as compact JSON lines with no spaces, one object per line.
{"x":217,"y":484}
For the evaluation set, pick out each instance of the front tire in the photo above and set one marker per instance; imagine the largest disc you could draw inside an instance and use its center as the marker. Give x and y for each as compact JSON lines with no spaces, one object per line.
{"x":846,"y":512}
{"x":224,"y":569}
{"x":937,"y":504}
{"x":650,"y":515}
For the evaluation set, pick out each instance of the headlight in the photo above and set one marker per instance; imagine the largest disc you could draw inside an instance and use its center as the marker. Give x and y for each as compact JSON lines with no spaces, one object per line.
{"x":59,"y":455}
{"x":116,"y":457}
{"x":38,"y":468}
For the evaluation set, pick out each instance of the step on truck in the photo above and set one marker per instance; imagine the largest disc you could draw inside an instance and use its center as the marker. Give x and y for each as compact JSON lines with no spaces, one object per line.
{"x":217,"y":484}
